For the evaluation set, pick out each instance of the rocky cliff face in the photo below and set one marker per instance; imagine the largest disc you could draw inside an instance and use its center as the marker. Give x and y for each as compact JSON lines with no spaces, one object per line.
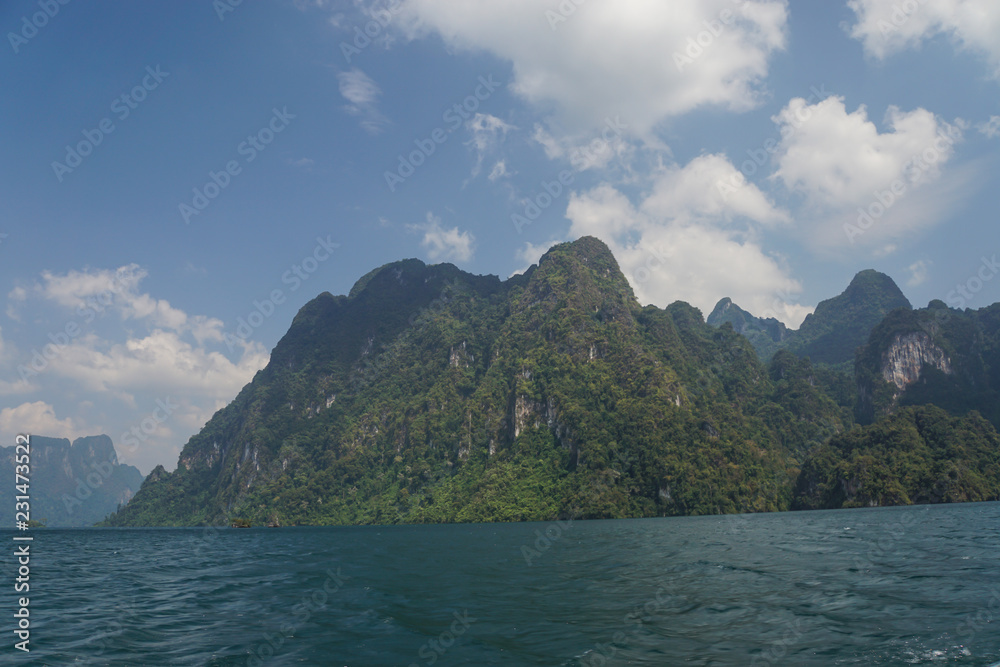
{"x":905,"y":358}
{"x":933,"y":355}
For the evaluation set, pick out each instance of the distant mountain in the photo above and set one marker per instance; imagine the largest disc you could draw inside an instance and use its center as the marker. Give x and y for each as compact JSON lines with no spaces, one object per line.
{"x":71,"y":485}
{"x":429,"y":394}
{"x":766,"y":335}
{"x":829,"y":335}
{"x":935,"y":355}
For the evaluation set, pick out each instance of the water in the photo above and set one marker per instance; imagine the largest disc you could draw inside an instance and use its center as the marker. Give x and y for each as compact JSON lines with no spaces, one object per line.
{"x":897,"y":586}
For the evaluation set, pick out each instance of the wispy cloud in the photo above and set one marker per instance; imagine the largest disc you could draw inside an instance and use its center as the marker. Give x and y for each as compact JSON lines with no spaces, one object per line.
{"x":362,"y":94}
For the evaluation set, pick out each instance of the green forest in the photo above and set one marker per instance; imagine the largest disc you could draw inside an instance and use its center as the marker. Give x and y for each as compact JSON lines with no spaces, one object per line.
{"x":432,"y":395}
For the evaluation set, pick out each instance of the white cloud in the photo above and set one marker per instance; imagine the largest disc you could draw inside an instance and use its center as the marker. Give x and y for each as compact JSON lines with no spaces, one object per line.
{"x":918,"y":272}
{"x":37,"y":418}
{"x":611,"y":58}
{"x":499,"y":171}
{"x":838,"y":157}
{"x":846,"y":168}
{"x":991,"y":128}
{"x":695,"y":191}
{"x":889,"y":26}
{"x":362,"y":93}
{"x":97,"y":291}
{"x":445,"y":244}
{"x":683,"y":241}
{"x":488,"y":132}
{"x":159,"y":362}
{"x":15,"y":386}
{"x":179,"y":355}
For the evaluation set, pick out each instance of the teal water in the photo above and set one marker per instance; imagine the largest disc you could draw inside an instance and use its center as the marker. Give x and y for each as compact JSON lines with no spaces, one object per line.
{"x":895,"y":586}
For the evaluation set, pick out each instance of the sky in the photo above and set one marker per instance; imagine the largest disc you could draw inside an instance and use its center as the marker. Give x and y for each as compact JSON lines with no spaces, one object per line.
{"x":180,"y":177}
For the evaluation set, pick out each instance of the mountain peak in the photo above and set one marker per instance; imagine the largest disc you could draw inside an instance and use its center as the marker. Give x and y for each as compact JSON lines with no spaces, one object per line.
{"x":870,"y":280}
{"x":721,"y":308}
{"x":839,"y":325}
{"x":587,"y":248}
{"x":765,"y":334}
{"x":585,"y":274}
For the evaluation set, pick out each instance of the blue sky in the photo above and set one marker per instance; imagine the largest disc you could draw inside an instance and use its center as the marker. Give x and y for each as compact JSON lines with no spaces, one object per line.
{"x":172,"y":168}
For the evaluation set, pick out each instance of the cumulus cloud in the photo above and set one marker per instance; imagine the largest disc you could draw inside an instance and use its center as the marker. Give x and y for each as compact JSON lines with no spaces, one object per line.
{"x":843,"y":164}
{"x":362,"y":94}
{"x":38,"y":418}
{"x":885,"y":27}
{"x":163,"y":352}
{"x":444,"y":244}
{"x":683,"y":241}
{"x":609,"y":58}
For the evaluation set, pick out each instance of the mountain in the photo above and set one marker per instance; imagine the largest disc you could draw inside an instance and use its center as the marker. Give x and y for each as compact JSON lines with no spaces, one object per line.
{"x":829,"y":335}
{"x":766,"y":335}
{"x":918,"y":455}
{"x":840,"y":325}
{"x":428,"y":394}
{"x":71,"y":485}
{"x":935,"y":355}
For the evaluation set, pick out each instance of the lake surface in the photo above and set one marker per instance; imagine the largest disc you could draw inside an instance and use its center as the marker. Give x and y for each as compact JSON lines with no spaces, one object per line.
{"x":894,"y":586}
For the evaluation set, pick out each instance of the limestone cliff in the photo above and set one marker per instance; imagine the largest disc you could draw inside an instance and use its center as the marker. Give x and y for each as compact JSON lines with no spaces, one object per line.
{"x":903,"y":361}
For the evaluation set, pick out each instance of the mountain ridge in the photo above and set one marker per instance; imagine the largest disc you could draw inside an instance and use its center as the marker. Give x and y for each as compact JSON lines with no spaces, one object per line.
{"x":72,"y":484}
{"x":428,"y":394}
